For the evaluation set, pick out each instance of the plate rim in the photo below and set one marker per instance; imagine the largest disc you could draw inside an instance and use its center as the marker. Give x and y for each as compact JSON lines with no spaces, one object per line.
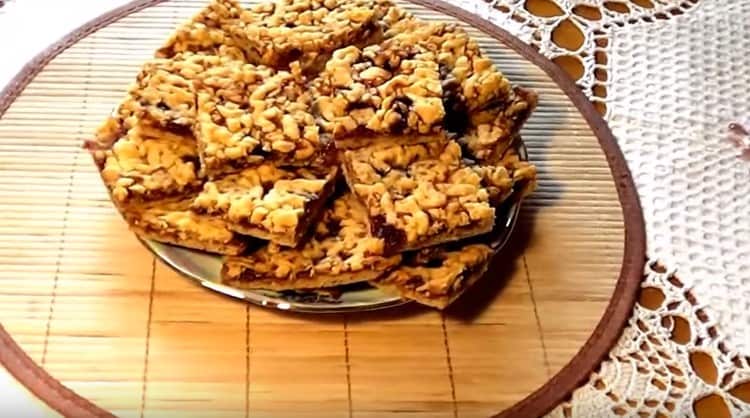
{"x":542,"y":400}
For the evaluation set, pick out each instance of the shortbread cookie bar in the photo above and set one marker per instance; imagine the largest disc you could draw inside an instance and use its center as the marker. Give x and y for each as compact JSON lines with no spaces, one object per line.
{"x":149,"y":164}
{"x":281,"y":32}
{"x":492,"y":132}
{"x":268,"y":120}
{"x":208,"y":32}
{"x":165,"y":89}
{"x":269,"y":202}
{"x":470,"y":80}
{"x":164,"y":95}
{"x":381,"y":90}
{"x":117,"y":124}
{"x":174,"y":223}
{"x":523,"y":174}
{"x":437,"y":276}
{"x":340,"y":251}
{"x":423,"y":195}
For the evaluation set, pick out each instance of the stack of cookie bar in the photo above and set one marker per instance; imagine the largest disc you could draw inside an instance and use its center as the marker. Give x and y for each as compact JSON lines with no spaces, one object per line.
{"x":319,"y":143}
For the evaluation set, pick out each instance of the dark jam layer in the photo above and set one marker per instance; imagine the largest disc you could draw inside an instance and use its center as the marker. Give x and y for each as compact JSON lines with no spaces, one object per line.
{"x":393,"y":238}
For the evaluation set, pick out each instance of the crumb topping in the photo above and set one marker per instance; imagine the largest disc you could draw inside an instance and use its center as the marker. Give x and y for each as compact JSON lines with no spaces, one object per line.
{"x":523,"y":173}
{"x":164,"y":94}
{"x":165,"y":91}
{"x":470,"y":80}
{"x":341,"y":244}
{"x":269,"y":120}
{"x":424,"y":190}
{"x":124,"y":117}
{"x":493,"y":131}
{"x":265,"y":197}
{"x":278,"y":33}
{"x":381,"y":89}
{"x":150,"y":164}
{"x":208,"y":32}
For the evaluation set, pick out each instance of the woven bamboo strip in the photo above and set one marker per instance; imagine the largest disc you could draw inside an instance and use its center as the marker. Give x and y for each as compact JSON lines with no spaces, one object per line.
{"x":304,"y":375}
{"x":197,"y":363}
{"x":399,"y":369}
{"x":498,"y":327}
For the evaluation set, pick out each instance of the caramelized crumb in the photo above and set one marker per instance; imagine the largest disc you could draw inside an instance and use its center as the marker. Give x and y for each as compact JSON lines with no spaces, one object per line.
{"x":425,"y":194}
{"x":165,"y":89}
{"x":260,"y":115}
{"x":387,"y":88}
{"x":340,"y":251}
{"x":149,"y":164}
{"x":208,"y":32}
{"x":308,"y":31}
{"x":268,"y":202}
{"x":493,"y":131}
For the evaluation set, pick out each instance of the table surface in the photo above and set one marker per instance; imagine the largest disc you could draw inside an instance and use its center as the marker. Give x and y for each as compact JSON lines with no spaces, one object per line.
{"x":59,"y":18}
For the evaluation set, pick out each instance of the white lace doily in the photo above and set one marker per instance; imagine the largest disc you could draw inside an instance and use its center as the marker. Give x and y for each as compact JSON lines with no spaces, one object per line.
{"x":671,"y":76}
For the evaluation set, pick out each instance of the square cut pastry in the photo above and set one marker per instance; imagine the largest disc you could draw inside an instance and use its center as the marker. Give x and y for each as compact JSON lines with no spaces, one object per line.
{"x":260,"y":116}
{"x":425,"y":194}
{"x":437,"y":276}
{"x":268,"y":202}
{"x":381,"y":91}
{"x":493,"y":131}
{"x":165,"y":89}
{"x":340,"y":251}
{"x":125,"y":116}
{"x":164,"y":95}
{"x":208,"y":32}
{"x":278,"y":33}
{"x":148,"y":164}
{"x":470,"y":80}
{"x":172,"y":222}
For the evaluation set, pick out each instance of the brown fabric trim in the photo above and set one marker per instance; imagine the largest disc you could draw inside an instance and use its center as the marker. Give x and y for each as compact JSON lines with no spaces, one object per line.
{"x":41,"y":384}
{"x":538,"y":403}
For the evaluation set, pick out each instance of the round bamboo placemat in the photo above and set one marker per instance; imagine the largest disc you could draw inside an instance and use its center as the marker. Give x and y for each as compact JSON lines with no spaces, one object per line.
{"x":98,"y":325}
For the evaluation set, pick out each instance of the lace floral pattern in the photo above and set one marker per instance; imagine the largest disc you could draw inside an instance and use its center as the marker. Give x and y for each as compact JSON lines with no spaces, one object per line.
{"x":584,"y":25}
{"x":669,"y":76}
